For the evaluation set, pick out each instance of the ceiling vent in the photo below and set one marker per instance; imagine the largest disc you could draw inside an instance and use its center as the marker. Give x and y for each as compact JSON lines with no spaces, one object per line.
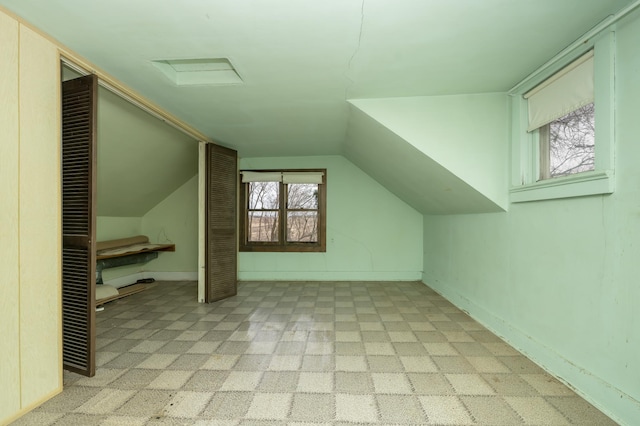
{"x":193,"y":72}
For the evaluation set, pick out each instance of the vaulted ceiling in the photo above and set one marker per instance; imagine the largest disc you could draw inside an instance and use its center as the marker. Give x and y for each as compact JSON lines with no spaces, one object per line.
{"x":301,"y":61}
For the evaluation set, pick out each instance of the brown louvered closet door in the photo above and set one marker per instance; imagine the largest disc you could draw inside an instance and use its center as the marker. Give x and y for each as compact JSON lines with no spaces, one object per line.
{"x":221,"y":223}
{"x":78,"y":224}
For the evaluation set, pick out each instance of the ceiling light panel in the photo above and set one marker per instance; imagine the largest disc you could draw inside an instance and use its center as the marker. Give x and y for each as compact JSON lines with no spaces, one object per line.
{"x":202,"y":71}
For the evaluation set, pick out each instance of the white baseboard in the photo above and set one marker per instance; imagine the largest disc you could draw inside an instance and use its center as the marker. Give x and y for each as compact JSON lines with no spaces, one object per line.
{"x":158,"y":276}
{"x":620,"y":406}
{"x":329,"y":276}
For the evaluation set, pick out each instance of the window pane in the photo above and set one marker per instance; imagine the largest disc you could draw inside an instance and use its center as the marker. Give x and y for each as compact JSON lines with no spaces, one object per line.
{"x":302,"y":196}
{"x":302,"y":226}
{"x":263,"y":195}
{"x":263,"y":226}
{"x":572,"y":142}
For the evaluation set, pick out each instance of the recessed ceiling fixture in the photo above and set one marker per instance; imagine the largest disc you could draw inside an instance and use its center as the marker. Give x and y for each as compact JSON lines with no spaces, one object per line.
{"x":206,"y":71}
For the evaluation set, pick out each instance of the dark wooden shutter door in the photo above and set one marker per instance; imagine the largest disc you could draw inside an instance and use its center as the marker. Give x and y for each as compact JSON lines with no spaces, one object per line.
{"x":78,"y":224}
{"x":221,"y":223}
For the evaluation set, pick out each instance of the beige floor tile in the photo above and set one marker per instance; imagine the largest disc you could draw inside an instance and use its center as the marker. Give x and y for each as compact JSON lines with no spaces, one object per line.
{"x":146,"y":403}
{"x":242,"y":381}
{"x":547,"y":385}
{"x":400,"y":410}
{"x":206,"y":380}
{"x":103,"y":377}
{"x":171,"y":379}
{"x":313,"y":407}
{"x":445,"y":410}
{"x":228,"y":405}
{"x":38,"y":418}
{"x":350,"y":363}
{"x":187,"y":404}
{"x":440,"y":349}
{"x":371,"y":326}
{"x":418,"y":364}
{"x":402,"y":336}
{"x":306,"y":354}
{"x":319,"y":348}
{"x":356,"y":408}
{"x":278,"y":381}
{"x":285,"y":362}
{"x":391,"y":383}
{"x":317,"y":382}
{"x":469,"y":384}
{"x":124,"y":421}
{"x":157,"y":361}
{"x":270,"y":406}
{"x":220,"y":362}
{"x":579,"y":411}
{"x":261,"y":348}
{"x":487,"y":410}
{"x":379,"y":348}
{"x":106,"y":401}
{"x":535,"y":410}
{"x":487,"y":364}
{"x":353,"y":382}
{"x":148,"y":346}
{"x":348,"y":336}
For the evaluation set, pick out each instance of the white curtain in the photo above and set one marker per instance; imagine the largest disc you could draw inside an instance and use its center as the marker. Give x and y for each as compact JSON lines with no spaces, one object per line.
{"x":562,"y":93}
{"x":302,"y":177}
{"x":285,"y":177}
{"x":261,"y":177}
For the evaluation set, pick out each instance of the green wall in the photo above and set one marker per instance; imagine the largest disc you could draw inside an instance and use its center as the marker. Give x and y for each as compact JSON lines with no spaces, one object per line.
{"x":558,"y":279}
{"x":112,"y":228}
{"x":175,"y":220}
{"x":440,"y":128}
{"x":371,"y":234}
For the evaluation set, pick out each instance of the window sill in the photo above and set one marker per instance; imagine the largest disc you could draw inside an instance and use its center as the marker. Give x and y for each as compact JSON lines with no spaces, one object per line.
{"x":578,"y":185}
{"x":289,"y":248}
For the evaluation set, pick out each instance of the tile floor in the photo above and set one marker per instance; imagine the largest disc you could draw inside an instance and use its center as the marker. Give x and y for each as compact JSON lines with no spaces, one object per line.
{"x":331,"y":353}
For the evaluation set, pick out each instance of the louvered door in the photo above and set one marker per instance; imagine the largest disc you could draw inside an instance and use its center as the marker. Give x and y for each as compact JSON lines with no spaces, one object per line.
{"x":78,"y":224}
{"x":221,"y":223}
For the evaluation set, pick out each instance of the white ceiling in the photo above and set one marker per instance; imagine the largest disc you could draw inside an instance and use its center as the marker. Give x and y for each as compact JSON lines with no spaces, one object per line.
{"x":302,"y":59}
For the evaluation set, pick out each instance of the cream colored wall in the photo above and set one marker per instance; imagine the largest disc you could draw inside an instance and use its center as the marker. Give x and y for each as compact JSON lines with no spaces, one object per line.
{"x":30,"y":217}
{"x":9,"y":211}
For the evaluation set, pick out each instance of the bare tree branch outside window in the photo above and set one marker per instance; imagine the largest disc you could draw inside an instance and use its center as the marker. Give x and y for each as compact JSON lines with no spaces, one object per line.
{"x":302,"y":212}
{"x":572,"y":142}
{"x":263,"y":211}
{"x":286,"y":215}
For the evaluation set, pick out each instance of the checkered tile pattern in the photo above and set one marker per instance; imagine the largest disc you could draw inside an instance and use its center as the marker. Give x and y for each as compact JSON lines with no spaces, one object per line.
{"x":330,"y":353}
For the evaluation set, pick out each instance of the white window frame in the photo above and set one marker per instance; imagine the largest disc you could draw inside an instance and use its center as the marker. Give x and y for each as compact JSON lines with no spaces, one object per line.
{"x":525,"y":172}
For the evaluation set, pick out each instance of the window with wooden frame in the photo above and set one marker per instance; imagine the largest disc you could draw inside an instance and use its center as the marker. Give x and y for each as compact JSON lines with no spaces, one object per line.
{"x":283,"y":210}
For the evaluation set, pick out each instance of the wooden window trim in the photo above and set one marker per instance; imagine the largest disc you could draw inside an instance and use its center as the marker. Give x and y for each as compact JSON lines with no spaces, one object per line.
{"x":283,"y":245}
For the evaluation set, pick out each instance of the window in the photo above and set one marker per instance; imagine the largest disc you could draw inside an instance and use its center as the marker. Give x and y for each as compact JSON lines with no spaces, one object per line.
{"x":563,"y":128}
{"x":567,"y":144}
{"x":283,"y":210}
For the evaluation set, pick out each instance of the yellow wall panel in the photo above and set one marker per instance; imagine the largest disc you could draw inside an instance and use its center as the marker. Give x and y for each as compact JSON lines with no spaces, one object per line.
{"x":9,"y":271}
{"x":40,"y":218}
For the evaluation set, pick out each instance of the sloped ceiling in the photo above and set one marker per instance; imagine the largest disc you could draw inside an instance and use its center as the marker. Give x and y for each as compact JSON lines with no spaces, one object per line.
{"x":141,"y":160}
{"x":300,"y":60}
{"x":457,"y":142}
{"x":393,"y":162}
